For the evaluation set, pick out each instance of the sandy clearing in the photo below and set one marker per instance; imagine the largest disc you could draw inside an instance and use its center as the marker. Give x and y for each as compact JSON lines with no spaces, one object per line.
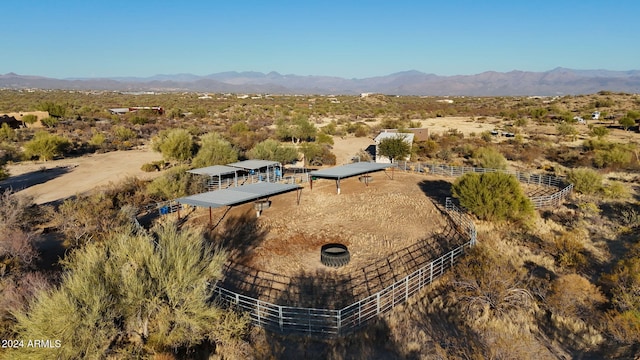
{"x":346,"y":147}
{"x":67,"y":177}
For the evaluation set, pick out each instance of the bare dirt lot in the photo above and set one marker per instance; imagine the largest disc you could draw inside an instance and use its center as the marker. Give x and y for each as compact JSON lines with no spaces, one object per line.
{"x":59,"y":179}
{"x":390,"y":227}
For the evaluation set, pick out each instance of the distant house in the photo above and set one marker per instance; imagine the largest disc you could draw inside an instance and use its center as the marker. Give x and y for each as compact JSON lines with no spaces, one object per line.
{"x":11,"y":121}
{"x":408,"y":137}
{"x":419,"y":134}
{"x":121,"y":111}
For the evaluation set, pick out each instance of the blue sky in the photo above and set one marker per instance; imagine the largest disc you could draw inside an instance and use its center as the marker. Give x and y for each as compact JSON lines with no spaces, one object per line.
{"x":351,"y":39}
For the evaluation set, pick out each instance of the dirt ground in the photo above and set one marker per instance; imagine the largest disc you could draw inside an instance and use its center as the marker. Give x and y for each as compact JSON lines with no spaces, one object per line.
{"x":390,"y":227}
{"x":59,"y":179}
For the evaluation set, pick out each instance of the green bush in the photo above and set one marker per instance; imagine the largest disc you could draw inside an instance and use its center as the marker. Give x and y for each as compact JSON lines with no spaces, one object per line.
{"x":215,"y":150}
{"x":174,"y":144}
{"x":275,"y":151}
{"x":615,"y":157}
{"x":134,"y":294}
{"x":174,"y":184}
{"x":493,"y":196}
{"x":489,"y":158}
{"x":585,"y":180}
{"x":149,"y":167}
{"x":46,"y":146}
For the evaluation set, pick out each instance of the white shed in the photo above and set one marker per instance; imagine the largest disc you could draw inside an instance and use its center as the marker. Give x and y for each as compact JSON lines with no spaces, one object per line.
{"x":408,"y":137}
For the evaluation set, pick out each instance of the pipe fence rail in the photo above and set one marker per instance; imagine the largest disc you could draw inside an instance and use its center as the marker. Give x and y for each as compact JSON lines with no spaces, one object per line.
{"x":330,"y":322}
{"x":543,"y":180}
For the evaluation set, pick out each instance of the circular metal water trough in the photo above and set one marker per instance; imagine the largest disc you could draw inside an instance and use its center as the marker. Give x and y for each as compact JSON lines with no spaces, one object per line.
{"x":334,"y":255}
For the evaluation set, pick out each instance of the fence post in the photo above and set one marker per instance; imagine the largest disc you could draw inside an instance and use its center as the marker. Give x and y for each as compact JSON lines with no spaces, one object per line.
{"x":258,"y":311}
{"x":378,"y":303}
{"x":339,"y":320}
{"x":431,"y":273}
{"x":280,"y":319}
{"x":406,"y":288}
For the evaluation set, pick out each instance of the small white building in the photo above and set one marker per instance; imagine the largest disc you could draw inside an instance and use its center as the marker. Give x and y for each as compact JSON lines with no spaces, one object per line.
{"x":408,"y":138}
{"x":595,"y":115}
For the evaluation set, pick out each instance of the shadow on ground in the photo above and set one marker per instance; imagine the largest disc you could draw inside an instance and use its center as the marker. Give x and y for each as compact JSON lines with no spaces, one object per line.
{"x":27,"y":180}
{"x":436,"y":190}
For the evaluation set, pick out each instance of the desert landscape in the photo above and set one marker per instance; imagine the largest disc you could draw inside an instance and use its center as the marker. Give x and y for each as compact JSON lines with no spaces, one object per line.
{"x":111,"y":169}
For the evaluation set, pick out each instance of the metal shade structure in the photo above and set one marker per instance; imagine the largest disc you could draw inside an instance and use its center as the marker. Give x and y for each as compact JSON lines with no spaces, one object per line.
{"x":347,"y":171}
{"x":256,"y":165}
{"x":237,"y":195}
{"x":217,"y":171}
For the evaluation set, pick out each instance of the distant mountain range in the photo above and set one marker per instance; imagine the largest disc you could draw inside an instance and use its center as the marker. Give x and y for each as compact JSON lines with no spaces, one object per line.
{"x":559,"y":81}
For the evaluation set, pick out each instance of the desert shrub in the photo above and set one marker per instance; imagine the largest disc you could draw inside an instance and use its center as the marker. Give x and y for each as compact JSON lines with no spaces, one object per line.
{"x":323,"y":138}
{"x":330,"y":128}
{"x":29,"y":119}
{"x":616,"y":157}
{"x":427,"y":148}
{"x":86,"y":219}
{"x":97,"y":140}
{"x":362,"y":155}
{"x":149,"y":167}
{"x":4,"y":173}
{"x":49,"y":122}
{"x":616,"y":190}
{"x":624,"y":282}
{"x":626,"y":122}
{"x":624,"y":327}
{"x":567,"y":130}
{"x":585,"y":180}
{"x":569,"y":249}
{"x":487,"y":284}
{"x":486,"y":136}
{"x":175,"y":183}
{"x":174,"y":144}
{"x":599,"y":131}
{"x":7,"y":133}
{"x":46,"y":146}
{"x":317,"y":155}
{"x":214,"y":150}
{"x":520,"y":122}
{"x":489,"y":158}
{"x":136,"y":294}
{"x":275,"y":151}
{"x":574,"y":296}
{"x":296,"y":130}
{"x":493,"y":196}
{"x":361,"y":131}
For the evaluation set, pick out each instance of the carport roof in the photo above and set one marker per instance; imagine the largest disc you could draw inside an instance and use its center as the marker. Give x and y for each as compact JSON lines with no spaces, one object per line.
{"x":254,"y":164}
{"x":348,"y":170}
{"x":215,"y":170}
{"x":237,"y":195}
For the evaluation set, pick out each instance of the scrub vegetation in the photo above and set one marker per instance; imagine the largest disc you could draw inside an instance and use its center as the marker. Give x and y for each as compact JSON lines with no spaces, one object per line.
{"x":556,"y":282}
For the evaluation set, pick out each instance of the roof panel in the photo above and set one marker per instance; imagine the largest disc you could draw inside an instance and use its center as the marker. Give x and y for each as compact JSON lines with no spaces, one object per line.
{"x":348,"y":170}
{"x":237,"y":195}
{"x":254,"y":164}
{"x":215,"y":170}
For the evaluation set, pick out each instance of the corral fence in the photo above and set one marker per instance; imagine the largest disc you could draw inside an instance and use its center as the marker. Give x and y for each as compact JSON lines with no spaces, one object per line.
{"x":337,"y":322}
{"x":544,"y":180}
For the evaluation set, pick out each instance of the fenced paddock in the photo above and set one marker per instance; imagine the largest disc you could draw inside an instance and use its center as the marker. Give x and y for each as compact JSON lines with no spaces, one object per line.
{"x":337,"y":322}
{"x":328,"y":322}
